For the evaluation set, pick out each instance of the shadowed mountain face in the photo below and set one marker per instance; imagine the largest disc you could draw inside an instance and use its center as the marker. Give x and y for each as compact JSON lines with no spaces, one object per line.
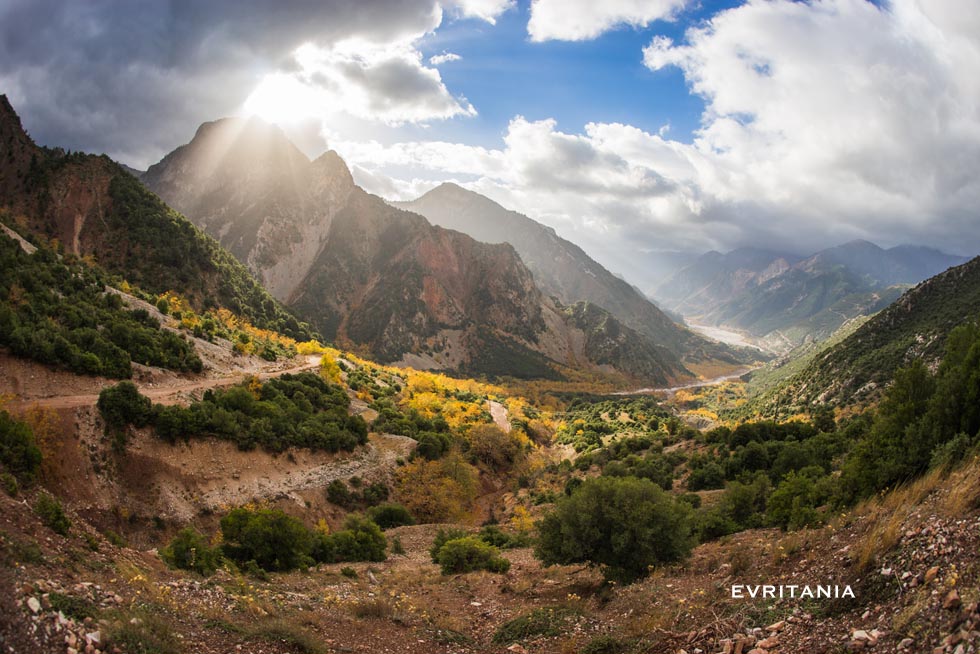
{"x":369,"y":274}
{"x":560,"y":268}
{"x":95,"y":208}
{"x":785,"y":300}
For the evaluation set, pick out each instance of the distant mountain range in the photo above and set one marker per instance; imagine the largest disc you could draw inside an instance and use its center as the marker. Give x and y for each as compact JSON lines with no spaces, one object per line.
{"x":370,"y":275}
{"x":856,"y":370}
{"x":785,"y":300}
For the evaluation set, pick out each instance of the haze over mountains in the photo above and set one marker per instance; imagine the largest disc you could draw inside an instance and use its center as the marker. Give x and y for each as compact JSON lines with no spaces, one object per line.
{"x":364,"y":272}
{"x":784,"y":300}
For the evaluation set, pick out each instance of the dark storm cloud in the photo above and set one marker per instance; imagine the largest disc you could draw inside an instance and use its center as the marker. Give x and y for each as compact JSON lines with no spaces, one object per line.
{"x":136,"y":78}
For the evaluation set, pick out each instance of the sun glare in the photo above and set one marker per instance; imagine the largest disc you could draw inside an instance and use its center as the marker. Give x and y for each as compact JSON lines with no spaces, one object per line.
{"x":281,"y":99}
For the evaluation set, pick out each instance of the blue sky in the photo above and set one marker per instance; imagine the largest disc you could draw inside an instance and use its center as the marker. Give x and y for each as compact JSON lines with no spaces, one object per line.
{"x":503,"y":74}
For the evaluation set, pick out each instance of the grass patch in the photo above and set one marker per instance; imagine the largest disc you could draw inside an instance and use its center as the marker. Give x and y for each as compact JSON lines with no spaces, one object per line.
{"x":142,"y":633}
{"x":13,"y":551}
{"x":374,"y":609}
{"x":548,"y":621}
{"x":77,"y":608}
{"x":288,"y":633}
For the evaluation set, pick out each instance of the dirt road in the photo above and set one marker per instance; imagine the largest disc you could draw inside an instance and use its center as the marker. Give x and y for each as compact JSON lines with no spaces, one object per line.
{"x":165,"y":393}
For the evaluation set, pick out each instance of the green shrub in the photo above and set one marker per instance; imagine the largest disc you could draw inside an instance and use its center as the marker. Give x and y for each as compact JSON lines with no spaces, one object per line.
{"x":9,"y":484}
{"x":190,"y":550}
{"x":274,"y":540}
{"x":494,"y":535}
{"x":52,"y":514}
{"x":622,"y":524}
{"x":388,"y":516}
{"x":360,"y":540}
{"x":470,"y":554}
{"x":123,"y":405}
{"x":338,"y":493}
{"x":19,"y":453}
{"x":443,"y":536}
{"x":549,"y":621}
{"x":348,"y":572}
{"x":396,"y":546}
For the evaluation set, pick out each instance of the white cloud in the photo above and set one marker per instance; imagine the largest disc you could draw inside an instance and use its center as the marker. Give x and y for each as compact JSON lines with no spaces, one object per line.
{"x":825,"y":121}
{"x":488,"y":10}
{"x":444,"y":58}
{"x":382,"y":82}
{"x":581,"y":20}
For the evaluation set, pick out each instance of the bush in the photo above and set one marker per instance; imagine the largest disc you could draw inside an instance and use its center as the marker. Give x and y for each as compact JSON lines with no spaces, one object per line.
{"x":622,"y":524}
{"x":360,"y":540}
{"x":122,"y":405}
{"x":492,"y":446}
{"x":443,"y":536}
{"x":470,"y":554}
{"x":494,"y":535}
{"x":388,"y":516}
{"x":19,"y":453}
{"x":190,"y":550}
{"x":274,"y":540}
{"x":9,"y":484}
{"x":52,"y":514}
{"x":339,"y":494}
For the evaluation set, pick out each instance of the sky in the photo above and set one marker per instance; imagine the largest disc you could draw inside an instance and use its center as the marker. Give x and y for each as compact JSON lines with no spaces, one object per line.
{"x":630,"y":126}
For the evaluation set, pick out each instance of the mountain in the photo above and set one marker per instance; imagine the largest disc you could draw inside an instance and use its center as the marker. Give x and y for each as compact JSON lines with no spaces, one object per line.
{"x":913,"y":327}
{"x":370,"y":275}
{"x":560,"y":268}
{"x":784,"y":301}
{"x":94,"y":208}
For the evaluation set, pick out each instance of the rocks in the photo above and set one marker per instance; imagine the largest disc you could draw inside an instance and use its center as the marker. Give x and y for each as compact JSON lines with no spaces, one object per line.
{"x":33,"y":604}
{"x":517,"y":649}
{"x":952,"y":601}
{"x":777,"y":626}
{"x":906,"y":643}
{"x":931,"y":574}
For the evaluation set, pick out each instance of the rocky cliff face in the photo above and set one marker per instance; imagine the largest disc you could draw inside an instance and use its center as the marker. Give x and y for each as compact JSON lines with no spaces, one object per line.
{"x":561,"y":268}
{"x":248,"y":186}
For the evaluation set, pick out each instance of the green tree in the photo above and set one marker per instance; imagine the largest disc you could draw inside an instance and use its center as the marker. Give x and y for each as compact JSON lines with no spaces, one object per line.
{"x":624,"y":525}
{"x":19,"y":453}
{"x":274,"y":540}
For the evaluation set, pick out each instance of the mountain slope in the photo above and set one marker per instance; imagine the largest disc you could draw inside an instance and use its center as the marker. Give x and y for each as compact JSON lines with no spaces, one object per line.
{"x":914,"y":327}
{"x":94,"y":208}
{"x":367,"y":274}
{"x":561,"y":268}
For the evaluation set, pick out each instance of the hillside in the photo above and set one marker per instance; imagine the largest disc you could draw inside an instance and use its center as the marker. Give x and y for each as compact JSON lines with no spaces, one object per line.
{"x":913,"y":328}
{"x":370,"y":275}
{"x":95,"y":209}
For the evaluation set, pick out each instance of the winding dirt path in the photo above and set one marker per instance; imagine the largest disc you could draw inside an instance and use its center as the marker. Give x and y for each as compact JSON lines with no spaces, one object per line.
{"x":167,"y":393}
